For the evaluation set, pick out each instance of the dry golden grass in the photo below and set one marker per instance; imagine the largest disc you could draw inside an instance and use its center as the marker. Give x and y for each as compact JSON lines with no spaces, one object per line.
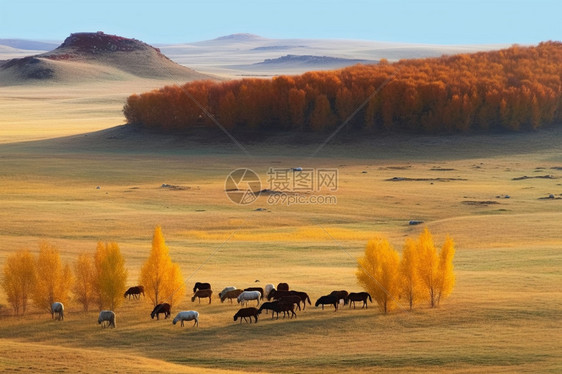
{"x":503,"y":316}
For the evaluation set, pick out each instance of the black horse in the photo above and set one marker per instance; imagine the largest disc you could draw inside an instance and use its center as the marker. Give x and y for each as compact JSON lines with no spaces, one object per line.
{"x":341,"y":295}
{"x":276,"y":294}
{"x":276,"y":307}
{"x":160,"y":308}
{"x":326,"y":300}
{"x":359,"y":296}
{"x":304,"y":297}
{"x":201,"y":286}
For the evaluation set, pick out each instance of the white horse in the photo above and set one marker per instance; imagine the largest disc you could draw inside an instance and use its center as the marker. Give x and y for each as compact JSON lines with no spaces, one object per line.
{"x":58,"y":309}
{"x":268,"y":288}
{"x":225,"y":290}
{"x":246,"y":296}
{"x":107,"y":316}
{"x":189,"y":315}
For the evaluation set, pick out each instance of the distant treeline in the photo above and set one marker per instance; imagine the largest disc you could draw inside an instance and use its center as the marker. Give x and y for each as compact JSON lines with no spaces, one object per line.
{"x":515,"y":88}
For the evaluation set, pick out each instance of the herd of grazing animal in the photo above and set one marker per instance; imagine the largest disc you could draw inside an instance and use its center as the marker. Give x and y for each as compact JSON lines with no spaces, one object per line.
{"x":280,"y":299}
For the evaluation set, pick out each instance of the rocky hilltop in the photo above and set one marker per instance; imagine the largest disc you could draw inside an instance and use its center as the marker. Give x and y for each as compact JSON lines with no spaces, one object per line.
{"x":96,"y":56}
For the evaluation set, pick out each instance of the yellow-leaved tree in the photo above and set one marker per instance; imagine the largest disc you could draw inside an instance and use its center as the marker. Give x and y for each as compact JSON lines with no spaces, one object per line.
{"x":378,"y":273}
{"x":446,"y":276}
{"x":54,"y":279}
{"x":411,"y":287}
{"x":161,"y":278}
{"x":84,"y":280}
{"x":19,"y":279}
{"x":428,"y":265}
{"x":111,"y":275}
{"x":435,"y":270}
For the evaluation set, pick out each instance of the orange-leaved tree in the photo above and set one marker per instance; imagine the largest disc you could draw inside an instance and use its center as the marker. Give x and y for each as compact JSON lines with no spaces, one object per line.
{"x":19,"y":279}
{"x":111,"y":275}
{"x":84,"y":280}
{"x":378,"y":273}
{"x":161,"y":278}
{"x":53,"y":280}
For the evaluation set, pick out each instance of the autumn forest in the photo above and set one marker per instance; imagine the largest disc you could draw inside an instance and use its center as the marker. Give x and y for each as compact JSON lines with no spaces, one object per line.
{"x":518,"y":88}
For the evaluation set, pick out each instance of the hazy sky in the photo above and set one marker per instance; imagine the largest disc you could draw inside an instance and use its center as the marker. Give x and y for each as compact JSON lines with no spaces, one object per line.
{"x":167,"y":21}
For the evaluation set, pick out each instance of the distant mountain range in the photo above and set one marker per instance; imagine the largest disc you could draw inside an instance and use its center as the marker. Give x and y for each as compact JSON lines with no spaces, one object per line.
{"x":248,"y":54}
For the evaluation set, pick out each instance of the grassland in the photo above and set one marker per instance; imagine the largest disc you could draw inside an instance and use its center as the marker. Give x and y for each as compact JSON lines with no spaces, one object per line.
{"x":503,"y":316}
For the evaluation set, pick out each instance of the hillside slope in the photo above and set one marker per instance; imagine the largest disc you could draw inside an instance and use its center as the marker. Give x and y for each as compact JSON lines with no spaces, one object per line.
{"x":95,"y":56}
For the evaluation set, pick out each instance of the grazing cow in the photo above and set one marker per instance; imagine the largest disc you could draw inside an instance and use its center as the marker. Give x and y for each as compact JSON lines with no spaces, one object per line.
{"x":225,"y":290}
{"x":276,"y":294}
{"x":328,"y":299}
{"x":282,"y":287}
{"x":268,"y":288}
{"x":341,"y":295}
{"x":359,"y":296}
{"x":135,"y":292}
{"x":246,"y":296}
{"x":201,"y":286}
{"x":58,"y":309}
{"x":189,"y":315}
{"x":106,"y":316}
{"x":294,"y":299}
{"x":233,"y":294}
{"x":160,"y":308}
{"x":247,"y":313}
{"x":304,"y":298}
{"x":203,"y":294}
{"x":259,"y":289}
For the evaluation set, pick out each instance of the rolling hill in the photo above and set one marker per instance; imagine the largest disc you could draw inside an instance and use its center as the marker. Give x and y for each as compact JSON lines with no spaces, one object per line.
{"x":85,"y":57}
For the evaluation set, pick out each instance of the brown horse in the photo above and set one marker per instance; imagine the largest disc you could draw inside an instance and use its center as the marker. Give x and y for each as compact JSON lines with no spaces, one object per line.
{"x":247,"y":313}
{"x":202,"y":294}
{"x":359,"y":296}
{"x":135,"y":292}
{"x":160,"y":308}
{"x":282,"y":287}
{"x":233,"y":294}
